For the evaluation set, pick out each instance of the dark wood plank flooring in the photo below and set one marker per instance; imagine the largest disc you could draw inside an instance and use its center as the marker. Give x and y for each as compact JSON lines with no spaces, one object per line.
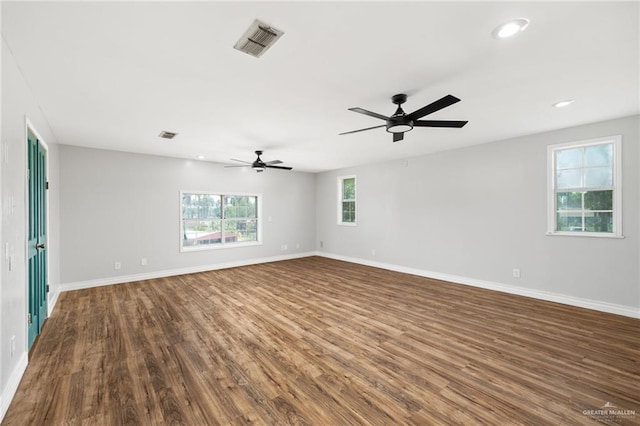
{"x":315,"y":341}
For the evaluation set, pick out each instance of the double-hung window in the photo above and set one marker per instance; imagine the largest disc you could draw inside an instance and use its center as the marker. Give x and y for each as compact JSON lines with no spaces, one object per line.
{"x":585,"y":188}
{"x":218,"y":220}
{"x":346,"y":200}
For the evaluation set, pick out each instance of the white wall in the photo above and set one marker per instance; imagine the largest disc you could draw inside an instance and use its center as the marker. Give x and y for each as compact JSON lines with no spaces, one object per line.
{"x":18,"y":104}
{"x":118,"y":206}
{"x":477,"y":213}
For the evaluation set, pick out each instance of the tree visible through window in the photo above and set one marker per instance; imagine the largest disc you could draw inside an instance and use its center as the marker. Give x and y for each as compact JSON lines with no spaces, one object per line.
{"x":585,"y":188}
{"x":347,"y":200}
{"x":215,"y":220}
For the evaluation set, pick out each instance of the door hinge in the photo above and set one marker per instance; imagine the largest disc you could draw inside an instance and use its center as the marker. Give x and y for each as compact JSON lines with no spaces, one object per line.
{"x":29,"y":318}
{"x":28,"y":174}
{"x":47,"y":288}
{"x":46,"y":186}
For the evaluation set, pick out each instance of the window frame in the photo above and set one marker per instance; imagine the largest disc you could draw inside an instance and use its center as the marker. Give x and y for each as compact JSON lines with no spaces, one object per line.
{"x":616,"y":142}
{"x":341,"y":180}
{"x":223,"y":244}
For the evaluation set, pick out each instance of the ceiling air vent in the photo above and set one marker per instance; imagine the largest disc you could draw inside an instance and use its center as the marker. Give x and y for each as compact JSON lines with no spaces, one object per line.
{"x":167,"y":135}
{"x":258,"y":38}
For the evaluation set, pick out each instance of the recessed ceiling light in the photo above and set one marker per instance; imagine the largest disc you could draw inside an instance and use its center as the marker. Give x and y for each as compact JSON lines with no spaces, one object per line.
{"x":563,"y":104}
{"x":511,"y":28}
{"x":200,"y":157}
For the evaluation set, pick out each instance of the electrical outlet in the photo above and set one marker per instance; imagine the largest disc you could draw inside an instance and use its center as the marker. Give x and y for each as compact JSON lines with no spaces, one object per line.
{"x":143,"y":261}
{"x":321,"y":244}
{"x":12,"y":346}
{"x":297,"y":245}
{"x":516,"y":273}
{"x":117,"y":265}
{"x":373,"y":252}
{"x":284,"y":247}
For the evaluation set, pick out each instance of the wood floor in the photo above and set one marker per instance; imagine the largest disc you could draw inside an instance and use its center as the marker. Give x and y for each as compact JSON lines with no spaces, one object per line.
{"x":315,"y":341}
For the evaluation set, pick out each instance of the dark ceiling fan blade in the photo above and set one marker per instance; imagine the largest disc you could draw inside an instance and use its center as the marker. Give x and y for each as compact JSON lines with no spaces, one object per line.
{"x":240,"y":161}
{"x":369,"y":113}
{"x":439,"y":123}
{"x":248,"y":165}
{"x":398,"y":137}
{"x":278,"y":167}
{"x":273,"y":162}
{"x":362,"y":130}
{"x":433,"y":107}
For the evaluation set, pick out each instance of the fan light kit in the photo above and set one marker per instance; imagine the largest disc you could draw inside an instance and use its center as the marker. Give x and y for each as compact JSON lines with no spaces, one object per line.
{"x":511,"y":28}
{"x":401,"y":122}
{"x":259,"y":166}
{"x":563,"y":104}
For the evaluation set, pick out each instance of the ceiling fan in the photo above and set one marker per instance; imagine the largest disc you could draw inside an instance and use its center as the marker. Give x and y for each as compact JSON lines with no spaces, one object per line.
{"x":401,"y":122}
{"x":259,"y":166}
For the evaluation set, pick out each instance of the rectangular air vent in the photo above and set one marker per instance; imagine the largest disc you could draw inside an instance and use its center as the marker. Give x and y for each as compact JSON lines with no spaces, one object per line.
{"x":258,"y":38}
{"x":167,"y":135}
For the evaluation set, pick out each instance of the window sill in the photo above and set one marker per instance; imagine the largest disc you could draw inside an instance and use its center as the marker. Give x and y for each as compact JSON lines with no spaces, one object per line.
{"x":219,"y":246}
{"x":347,"y":224}
{"x":585,"y":234}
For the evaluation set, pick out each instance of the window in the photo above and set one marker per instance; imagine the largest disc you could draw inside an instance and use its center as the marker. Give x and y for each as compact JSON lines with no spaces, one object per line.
{"x":216,"y":220}
{"x":347,"y":200}
{"x":584,"y":188}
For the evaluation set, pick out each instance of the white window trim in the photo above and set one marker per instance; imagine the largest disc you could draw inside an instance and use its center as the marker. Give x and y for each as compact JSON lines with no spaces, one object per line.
{"x":617,"y":188}
{"x":222,"y":245}
{"x":339,"y":204}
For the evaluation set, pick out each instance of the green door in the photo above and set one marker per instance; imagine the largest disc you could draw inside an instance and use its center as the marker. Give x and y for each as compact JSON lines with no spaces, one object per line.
{"x":37,"y":238}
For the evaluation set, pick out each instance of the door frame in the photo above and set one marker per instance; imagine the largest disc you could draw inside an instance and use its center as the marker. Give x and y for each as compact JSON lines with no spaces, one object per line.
{"x":29,"y":127}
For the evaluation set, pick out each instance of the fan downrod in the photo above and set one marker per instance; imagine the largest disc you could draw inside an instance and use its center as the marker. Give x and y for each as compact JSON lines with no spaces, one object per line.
{"x":399,"y":99}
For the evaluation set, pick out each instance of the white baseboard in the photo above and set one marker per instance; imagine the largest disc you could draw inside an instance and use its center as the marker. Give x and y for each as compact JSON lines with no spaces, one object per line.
{"x":173,"y":272}
{"x":12,"y":385}
{"x":628,"y":311}
{"x":54,"y":292}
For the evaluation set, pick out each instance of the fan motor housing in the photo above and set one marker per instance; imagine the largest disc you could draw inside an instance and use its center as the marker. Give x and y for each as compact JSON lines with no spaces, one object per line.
{"x":397,"y":122}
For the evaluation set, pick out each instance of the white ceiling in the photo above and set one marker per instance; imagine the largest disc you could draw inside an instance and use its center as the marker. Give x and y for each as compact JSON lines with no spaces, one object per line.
{"x":113,"y":75}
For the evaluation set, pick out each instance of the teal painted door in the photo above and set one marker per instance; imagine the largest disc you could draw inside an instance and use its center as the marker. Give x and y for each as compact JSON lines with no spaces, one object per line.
{"x":37,"y":238}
